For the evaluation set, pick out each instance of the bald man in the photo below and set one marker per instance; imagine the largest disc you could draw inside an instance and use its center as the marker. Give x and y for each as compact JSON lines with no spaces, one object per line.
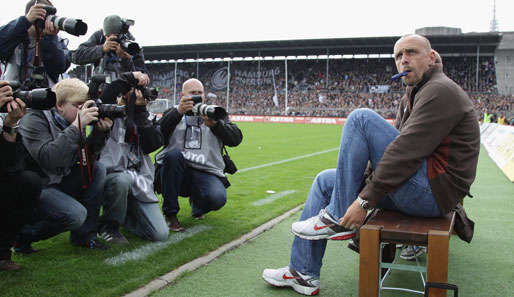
{"x":191,"y":164}
{"x":423,"y":168}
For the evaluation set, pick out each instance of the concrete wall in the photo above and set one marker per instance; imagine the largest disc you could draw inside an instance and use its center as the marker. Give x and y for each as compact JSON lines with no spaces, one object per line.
{"x":504,"y":57}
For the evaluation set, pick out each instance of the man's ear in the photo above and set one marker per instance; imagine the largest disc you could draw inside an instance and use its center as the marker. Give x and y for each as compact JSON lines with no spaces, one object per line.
{"x":431,"y":58}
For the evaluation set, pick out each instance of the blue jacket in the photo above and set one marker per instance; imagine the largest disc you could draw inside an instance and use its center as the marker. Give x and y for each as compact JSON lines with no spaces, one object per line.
{"x":14,"y":41}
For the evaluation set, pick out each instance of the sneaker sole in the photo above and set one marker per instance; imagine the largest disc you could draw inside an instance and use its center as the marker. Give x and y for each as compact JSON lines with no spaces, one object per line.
{"x":337,"y":236}
{"x":412,"y":257}
{"x":309,"y":291}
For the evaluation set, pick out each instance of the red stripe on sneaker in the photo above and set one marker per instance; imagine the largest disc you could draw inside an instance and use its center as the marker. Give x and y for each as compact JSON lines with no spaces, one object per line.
{"x":316,"y":227}
{"x":289,"y":277}
{"x":315,"y":292}
{"x":343,"y":237}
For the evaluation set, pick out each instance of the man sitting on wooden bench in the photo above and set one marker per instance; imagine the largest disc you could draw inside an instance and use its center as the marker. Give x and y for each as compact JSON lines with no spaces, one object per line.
{"x":423,"y":168}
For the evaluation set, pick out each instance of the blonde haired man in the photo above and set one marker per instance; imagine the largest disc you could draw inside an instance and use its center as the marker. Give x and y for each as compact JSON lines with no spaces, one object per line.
{"x":72,"y":182}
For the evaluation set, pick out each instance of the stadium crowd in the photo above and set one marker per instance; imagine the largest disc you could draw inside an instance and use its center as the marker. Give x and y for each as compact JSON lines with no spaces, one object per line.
{"x":350,"y":84}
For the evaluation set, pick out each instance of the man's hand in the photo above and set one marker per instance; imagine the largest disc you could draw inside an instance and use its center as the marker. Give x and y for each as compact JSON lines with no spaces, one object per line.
{"x":16,"y":109}
{"x":50,"y":29}
{"x":122,"y":54}
{"x":104,"y":124}
{"x":354,"y":216}
{"x":86,"y":114}
{"x":36,"y":12}
{"x":5,"y":93}
{"x":140,"y":100}
{"x":142,"y":79}
{"x":186,"y":104}
{"x":208,"y":121}
{"x":110,"y":44}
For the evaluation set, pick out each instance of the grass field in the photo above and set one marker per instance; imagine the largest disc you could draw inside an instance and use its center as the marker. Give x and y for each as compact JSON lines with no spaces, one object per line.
{"x":59,"y":269}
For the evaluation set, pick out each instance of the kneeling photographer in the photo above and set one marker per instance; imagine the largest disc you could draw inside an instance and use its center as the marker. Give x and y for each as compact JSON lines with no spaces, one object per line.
{"x":129,"y":199}
{"x":63,"y":155}
{"x":20,"y":188}
{"x":36,"y":56}
{"x":191,"y":164}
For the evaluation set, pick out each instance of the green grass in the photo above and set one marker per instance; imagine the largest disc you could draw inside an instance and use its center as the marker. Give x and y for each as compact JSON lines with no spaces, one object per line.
{"x":60,"y":269}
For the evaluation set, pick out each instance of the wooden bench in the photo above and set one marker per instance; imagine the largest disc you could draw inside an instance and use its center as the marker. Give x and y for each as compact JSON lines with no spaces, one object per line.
{"x":394,"y":227}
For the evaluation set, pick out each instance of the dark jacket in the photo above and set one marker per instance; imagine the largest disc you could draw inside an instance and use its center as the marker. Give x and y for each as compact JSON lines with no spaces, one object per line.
{"x":439,"y":125}
{"x":55,"y":53}
{"x":11,"y":158}
{"x":149,"y":136}
{"x":90,"y":51}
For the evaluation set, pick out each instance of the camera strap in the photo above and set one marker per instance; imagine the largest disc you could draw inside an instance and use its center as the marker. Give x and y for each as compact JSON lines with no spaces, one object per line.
{"x":86,"y":165}
{"x":38,"y":55}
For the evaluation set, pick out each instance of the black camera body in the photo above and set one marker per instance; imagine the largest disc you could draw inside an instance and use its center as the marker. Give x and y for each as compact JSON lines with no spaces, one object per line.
{"x":73,"y":26}
{"x":41,"y":98}
{"x":111,"y":111}
{"x":148,"y":93}
{"x":127,"y":44}
{"x":211,"y":111}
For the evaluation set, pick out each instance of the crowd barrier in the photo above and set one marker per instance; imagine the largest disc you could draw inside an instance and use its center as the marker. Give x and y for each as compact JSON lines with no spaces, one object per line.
{"x":291,"y":119}
{"x":498,"y":140}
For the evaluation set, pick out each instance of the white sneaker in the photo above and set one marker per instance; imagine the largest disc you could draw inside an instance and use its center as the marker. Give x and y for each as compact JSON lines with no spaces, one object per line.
{"x":322,"y":226}
{"x":288,"y":277}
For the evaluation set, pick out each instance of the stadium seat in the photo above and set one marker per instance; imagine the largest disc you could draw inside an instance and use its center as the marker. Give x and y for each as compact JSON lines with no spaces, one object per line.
{"x":388,"y":228}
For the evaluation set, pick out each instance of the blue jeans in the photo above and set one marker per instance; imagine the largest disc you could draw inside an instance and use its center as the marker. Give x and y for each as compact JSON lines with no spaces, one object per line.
{"x":67,"y":206}
{"x":365,"y":137}
{"x":207,"y":192}
{"x":143,"y":219}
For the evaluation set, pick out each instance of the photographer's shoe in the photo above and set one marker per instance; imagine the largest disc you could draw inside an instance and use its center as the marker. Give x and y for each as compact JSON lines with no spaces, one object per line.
{"x":288,"y":277}
{"x":173,"y":223}
{"x":95,"y":244}
{"x":8,"y":265}
{"x":322,"y":226}
{"x":23,"y":248}
{"x":111,"y":234}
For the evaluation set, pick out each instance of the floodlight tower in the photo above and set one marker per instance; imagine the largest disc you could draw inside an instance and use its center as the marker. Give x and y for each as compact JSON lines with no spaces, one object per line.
{"x":494,"y":22}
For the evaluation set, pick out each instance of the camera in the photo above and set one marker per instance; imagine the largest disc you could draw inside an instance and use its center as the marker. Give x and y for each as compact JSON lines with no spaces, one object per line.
{"x":73,"y":26}
{"x":126,"y":43}
{"x":43,"y":98}
{"x":111,"y":111}
{"x":211,"y":111}
{"x":148,"y":93}
{"x":95,"y":84}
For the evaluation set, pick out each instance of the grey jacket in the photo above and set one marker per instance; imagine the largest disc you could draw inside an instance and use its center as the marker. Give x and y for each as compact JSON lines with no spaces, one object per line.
{"x":55,"y":148}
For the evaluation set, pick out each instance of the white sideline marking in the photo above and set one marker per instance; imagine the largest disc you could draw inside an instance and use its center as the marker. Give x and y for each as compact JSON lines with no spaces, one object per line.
{"x":148,"y":249}
{"x":170,"y":277}
{"x":272,"y":198}
{"x":287,"y":160}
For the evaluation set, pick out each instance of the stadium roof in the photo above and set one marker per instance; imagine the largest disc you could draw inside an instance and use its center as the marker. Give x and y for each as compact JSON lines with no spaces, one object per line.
{"x":456,"y":45}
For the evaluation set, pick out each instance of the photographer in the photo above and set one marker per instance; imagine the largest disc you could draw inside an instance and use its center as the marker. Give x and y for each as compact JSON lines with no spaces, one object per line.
{"x":192,"y":164}
{"x":19,"y":40}
{"x":20,"y":188}
{"x":129,"y":199}
{"x":104,"y":50}
{"x":73,"y":182}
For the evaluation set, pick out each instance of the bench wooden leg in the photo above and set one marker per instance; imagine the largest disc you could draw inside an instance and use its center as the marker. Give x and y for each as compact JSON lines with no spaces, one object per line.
{"x":437,"y":260}
{"x":369,"y":260}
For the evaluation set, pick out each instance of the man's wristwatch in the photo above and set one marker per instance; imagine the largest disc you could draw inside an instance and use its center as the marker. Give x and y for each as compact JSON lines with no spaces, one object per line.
{"x":10,"y":130}
{"x":364,"y":204}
